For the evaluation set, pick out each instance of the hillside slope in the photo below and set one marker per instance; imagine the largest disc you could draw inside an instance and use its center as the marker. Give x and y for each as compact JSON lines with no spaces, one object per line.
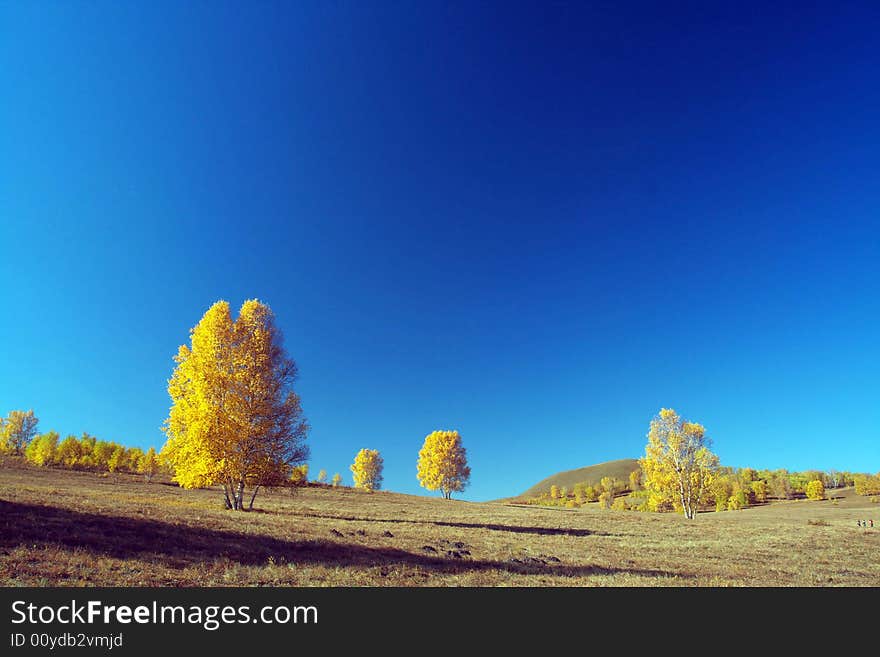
{"x":74,"y":528}
{"x":590,"y":474}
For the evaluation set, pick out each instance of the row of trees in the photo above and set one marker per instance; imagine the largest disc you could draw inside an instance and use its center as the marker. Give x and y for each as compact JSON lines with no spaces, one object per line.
{"x":19,"y":432}
{"x":236,"y":421}
{"x":680,"y":473}
{"x":583,"y":493}
{"x":442,"y":465}
{"x":299,"y":476}
{"x":89,"y":453}
{"x":867,"y":484}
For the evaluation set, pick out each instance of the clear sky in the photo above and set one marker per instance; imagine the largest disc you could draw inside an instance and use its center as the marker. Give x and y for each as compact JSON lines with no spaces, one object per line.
{"x":535,"y":223}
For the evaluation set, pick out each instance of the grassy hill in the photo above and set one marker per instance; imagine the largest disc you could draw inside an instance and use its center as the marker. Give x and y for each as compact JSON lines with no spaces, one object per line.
{"x":590,"y":474}
{"x":64,"y":528}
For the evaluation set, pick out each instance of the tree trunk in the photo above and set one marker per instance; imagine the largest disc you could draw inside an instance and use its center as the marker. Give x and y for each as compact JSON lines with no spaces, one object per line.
{"x":227,"y":504}
{"x":239,"y":496}
{"x":251,"y":505}
{"x":681,"y":496}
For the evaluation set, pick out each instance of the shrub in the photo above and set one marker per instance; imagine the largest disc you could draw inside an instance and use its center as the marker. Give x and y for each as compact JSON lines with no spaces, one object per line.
{"x":635,"y":480}
{"x":737,"y":501}
{"x":299,"y":474}
{"x":815,"y":490}
{"x":41,"y":450}
{"x":148,"y":464}
{"x":68,"y":453}
{"x":759,"y":488}
{"x":867,"y":484}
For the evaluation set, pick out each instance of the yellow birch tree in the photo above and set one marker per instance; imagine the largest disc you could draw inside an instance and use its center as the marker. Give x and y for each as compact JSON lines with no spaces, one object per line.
{"x":443,"y":464}
{"x":678,"y":465}
{"x":235,"y":419}
{"x":41,"y":450}
{"x":367,"y":469}
{"x":815,"y":490}
{"x":148,"y":464}
{"x":18,"y":430}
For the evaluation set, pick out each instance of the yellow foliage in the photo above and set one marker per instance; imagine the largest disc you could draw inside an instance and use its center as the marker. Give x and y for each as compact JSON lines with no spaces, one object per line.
{"x":635,"y":480}
{"x":116,"y":459}
{"x":41,"y":450}
{"x":760,"y":489}
{"x":867,"y":484}
{"x":101,"y":453}
{"x":68,"y":453}
{"x":443,"y":464}
{"x":721,"y":490}
{"x":18,"y":429}
{"x":815,"y":490}
{"x":735,"y":503}
{"x":591,"y":493}
{"x":299,"y":474}
{"x":367,"y":469}
{"x":235,"y":419}
{"x":148,"y":464}
{"x":678,"y":466}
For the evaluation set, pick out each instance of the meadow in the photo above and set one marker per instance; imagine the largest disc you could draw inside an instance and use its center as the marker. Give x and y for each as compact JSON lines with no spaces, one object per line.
{"x":86,"y":529}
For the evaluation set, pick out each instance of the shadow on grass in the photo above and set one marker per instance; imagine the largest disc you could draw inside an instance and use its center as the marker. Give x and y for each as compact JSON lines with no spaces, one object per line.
{"x":180,"y":546}
{"x":515,"y":529}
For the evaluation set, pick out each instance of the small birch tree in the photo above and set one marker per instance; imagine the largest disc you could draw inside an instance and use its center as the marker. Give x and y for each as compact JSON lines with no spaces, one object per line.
{"x":678,"y":464}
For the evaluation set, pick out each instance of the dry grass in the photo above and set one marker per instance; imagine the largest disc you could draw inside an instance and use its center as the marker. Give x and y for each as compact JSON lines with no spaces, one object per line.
{"x":81,"y":529}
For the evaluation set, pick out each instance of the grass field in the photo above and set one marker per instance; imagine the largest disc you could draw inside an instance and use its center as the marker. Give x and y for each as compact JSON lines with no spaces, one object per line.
{"x":82,"y":529}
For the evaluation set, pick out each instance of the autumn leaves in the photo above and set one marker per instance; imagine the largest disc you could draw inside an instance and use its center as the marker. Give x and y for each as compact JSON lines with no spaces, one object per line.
{"x":442,"y":465}
{"x":235,"y":420}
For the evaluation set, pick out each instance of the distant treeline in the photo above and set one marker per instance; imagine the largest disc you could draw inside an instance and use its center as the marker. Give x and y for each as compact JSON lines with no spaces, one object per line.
{"x":89,"y":453}
{"x":18,"y":435}
{"x":730,"y":489}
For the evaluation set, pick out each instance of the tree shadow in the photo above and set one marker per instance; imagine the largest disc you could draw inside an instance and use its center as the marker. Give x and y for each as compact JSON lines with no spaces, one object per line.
{"x":516,"y":529}
{"x":179,"y":546}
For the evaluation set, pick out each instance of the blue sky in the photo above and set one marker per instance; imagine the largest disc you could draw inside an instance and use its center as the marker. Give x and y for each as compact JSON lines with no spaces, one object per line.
{"x":535,"y":223}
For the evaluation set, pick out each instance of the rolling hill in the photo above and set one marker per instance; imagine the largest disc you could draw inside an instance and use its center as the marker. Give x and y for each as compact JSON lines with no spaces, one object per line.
{"x":590,"y":474}
{"x":78,"y":528}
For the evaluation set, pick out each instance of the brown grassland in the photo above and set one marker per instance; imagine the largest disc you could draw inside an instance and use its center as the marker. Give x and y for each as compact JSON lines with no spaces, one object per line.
{"x":83,"y":529}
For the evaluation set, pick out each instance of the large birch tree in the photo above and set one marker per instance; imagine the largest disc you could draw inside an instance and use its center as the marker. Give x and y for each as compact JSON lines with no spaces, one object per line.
{"x":678,"y":465}
{"x":235,"y":419}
